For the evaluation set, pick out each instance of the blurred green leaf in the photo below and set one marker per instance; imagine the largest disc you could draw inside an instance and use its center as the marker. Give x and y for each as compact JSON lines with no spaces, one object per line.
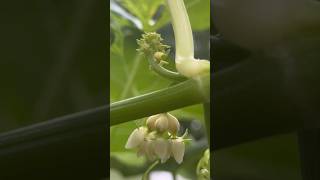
{"x":154,"y":14}
{"x":143,"y":10}
{"x":199,"y":14}
{"x":130,"y":158}
{"x":119,"y":135}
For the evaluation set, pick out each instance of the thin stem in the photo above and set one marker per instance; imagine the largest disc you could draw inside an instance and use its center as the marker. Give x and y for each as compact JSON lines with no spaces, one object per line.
{"x":165,"y":72}
{"x":146,"y":174}
{"x":131,"y":76}
{"x":184,"y":94}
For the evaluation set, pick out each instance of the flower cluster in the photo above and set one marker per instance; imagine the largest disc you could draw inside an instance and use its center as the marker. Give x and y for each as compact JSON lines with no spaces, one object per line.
{"x":158,"y":139}
{"x":151,"y":42}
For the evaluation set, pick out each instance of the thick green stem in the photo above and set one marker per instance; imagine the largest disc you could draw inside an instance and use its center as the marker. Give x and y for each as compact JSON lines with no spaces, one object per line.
{"x":184,"y":94}
{"x":182,"y":30}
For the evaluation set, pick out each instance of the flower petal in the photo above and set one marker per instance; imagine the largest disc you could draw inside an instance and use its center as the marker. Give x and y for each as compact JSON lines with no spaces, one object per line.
{"x":151,"y":121}
{"x":178,"y":148}
{"x":174,"y":124}
{"x":161,"y":148}
{"x":150,"y":150}
{"x":136,"y":138}
{"x":162,"y":123}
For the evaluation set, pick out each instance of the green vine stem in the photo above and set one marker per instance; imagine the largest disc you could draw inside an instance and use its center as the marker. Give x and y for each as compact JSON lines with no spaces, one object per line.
{"x":163,"y":71}
{"x":184,"y":94}
{"x":146,"y":174}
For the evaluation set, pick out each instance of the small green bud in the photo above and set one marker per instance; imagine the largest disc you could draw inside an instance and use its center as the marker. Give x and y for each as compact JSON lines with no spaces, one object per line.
{"x":150,"y":43}
{"x":178,"y":148}
{"x":159,"y":56}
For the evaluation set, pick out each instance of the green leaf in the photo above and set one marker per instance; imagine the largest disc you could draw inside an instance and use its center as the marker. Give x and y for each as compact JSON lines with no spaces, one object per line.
{"x":199,"y":14}
{"x":129,"y":158}
{"x":147,"y":10}
{"x":119,"y":135}
{"x":144,"y":10}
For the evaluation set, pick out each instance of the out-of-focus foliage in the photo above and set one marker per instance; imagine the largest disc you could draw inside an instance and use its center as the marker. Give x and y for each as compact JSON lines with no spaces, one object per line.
{"x":53,"y":61}
{"x":153,"y":14}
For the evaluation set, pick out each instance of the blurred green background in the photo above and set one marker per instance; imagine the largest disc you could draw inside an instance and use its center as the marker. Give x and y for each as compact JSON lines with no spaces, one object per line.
{"x":53,"y":59}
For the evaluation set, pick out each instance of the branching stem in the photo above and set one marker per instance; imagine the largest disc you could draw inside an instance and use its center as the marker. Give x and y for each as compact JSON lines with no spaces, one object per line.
{"x":163,"y":71}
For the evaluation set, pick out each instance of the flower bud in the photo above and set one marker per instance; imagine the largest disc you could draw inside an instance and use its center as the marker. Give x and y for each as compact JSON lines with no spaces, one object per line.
{"x":178,"y":148}
{"x":151,"y":42}
{"x":151,"y":122}
{"x":163,"y":122}
{"x":174,"y":124}
{"x":159,"y":56}
{"x":136,"y":137}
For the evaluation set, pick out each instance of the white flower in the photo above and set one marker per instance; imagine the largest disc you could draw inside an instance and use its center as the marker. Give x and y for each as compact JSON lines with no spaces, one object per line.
{"x":136,"y":137}
{"x":151,"y":121}
{"x":163,"y":122}
{"x":178,"y":148}
{"x":162,"y":149}
{"x":146,"y":148}
{"x":174,"y":125}
{"x":154,"y":145}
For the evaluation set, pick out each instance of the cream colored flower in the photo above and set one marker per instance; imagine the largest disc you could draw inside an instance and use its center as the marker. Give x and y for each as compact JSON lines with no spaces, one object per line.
{"x":163,"y":122}
{"x":151,"y":122}
{"x":162,"y":149}
{"x":136,"y":137}
{"x":178,"y":148}
{"x":146,"y":148}
{"x":174,"y":125}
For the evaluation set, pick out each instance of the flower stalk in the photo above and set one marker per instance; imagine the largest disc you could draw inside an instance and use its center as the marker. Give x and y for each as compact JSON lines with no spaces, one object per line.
{"x":186,"y":64}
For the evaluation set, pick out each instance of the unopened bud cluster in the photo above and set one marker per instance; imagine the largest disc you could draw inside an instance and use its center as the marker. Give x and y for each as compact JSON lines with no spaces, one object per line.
{"x":151,"y":42}
{"x":158,"y":139}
